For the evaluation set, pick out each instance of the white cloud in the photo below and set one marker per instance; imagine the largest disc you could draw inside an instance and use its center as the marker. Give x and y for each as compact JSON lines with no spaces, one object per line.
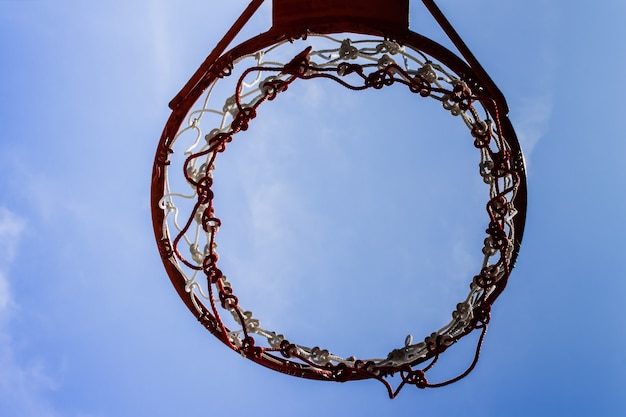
{"x":161,"y":44}
{"x":5,"y":296}
{"x":531,"y":121}
{"x":11,"y":227}
{"x":20,"y":384}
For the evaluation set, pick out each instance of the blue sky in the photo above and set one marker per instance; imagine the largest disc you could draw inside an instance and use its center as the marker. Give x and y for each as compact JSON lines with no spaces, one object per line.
{"x":90,"y":325}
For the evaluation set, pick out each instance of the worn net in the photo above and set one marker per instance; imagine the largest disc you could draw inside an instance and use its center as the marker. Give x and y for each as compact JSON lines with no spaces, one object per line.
{"x":230,"y":106}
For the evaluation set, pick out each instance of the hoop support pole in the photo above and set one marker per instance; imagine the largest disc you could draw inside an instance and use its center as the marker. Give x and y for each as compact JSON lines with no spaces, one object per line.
{"x":449,"y":30}
{"x":217,"y":51}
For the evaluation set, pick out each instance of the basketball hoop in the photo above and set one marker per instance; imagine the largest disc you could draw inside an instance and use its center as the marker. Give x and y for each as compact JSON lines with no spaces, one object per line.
{"x":358,"y":45}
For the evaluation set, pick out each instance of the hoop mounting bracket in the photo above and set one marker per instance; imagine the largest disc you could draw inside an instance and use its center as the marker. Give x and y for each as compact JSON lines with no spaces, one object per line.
{"x":310,"y":13}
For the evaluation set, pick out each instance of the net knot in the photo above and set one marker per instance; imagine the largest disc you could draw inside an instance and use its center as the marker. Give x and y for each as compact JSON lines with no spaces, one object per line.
{"x":385,"y":61}
{"x":228,"y":300}
{"x":498,"y":235}
{"x":345,"y":68}
{"x":271,"y":86}
{"x":347,"y":51}
{"x":415,"y":377}
{"x":242,"y":119}
{"x":487,"y":277}
{"x":501,"y":163}
{"x":248,"y":347}
{"x":437,"y":343}
{"x":462,"y":313}
{"x":428,"y":73}
{"x":499,"y":206}
{"x":482,"y":315}
{"x":481,"y":132}
{"x":288,"y":349}
{"x":320,"y":356}
{"x":379,"y":79}
{"x":203,"y":189}
{"x":389,"y":46}
{"x":340,"y":372}
{"x":419,"y":84}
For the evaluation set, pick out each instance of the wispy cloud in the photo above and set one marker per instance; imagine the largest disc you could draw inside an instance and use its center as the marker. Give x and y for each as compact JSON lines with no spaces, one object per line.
{"x":21,"y":384}
{"x":533,"y":89}
{"x":161,"y":44}
{"x":11,"y":227}
{"x":532,"y":119}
